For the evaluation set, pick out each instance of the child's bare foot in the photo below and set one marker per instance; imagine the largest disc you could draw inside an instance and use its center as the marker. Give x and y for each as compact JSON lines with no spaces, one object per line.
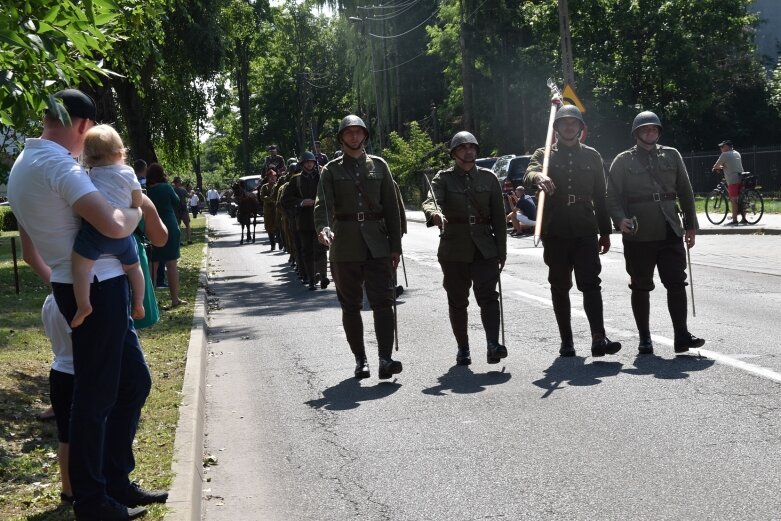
{"x":138,"y":312}
{"x":81,"y":314}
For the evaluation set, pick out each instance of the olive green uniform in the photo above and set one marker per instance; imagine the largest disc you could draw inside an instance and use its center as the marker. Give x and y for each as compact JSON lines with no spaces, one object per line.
{"x":646,"y":185}
{"x":573,"y":216}
{"x":357,"y":200}
{"x":304,"y":186}
{"x":269,"y":212}
{"x":473,"y":242}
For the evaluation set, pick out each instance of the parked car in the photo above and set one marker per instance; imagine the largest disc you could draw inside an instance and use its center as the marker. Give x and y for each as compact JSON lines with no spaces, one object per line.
{"x":486,"y":162}
{"x":510,"y":170}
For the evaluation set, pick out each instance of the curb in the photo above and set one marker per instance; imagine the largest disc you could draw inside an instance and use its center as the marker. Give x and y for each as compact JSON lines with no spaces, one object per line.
{"x":184,"y":497}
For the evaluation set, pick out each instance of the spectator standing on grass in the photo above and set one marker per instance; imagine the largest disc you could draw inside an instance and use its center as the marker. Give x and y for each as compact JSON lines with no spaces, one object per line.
{"x":166,"y":202}
{"x":50,"y":193}
{"x":213,"y":197}
{"x":183,"y":210}
{"x":195,"y":204}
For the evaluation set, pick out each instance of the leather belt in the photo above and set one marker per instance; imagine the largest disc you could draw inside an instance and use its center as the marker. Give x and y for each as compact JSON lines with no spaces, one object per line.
{"x":472,"y":219}
{"x":574,"y":198}
{"x":359,"y":216}
{"x":653,"y":198}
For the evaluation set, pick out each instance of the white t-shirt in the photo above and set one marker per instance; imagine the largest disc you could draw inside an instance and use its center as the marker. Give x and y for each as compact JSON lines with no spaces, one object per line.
{"x":44,"y":183}
{"x":194,"y":201}
{"x":116,"y":183}
{"x":59,"y":332}
{"x":212,"y":194}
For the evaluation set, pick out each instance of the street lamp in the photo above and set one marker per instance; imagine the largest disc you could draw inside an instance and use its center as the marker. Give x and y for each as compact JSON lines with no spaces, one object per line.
{"x":356,"y":20}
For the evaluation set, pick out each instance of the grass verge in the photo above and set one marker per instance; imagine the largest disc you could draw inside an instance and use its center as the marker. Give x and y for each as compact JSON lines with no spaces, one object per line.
{"x":29,"y":474}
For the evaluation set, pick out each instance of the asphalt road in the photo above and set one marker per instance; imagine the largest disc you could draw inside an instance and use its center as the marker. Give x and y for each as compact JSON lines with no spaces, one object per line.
{"x":295,"y":437}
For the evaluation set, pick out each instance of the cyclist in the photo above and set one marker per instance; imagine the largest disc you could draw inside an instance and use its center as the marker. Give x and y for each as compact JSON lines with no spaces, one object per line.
{"x":730,"y":164}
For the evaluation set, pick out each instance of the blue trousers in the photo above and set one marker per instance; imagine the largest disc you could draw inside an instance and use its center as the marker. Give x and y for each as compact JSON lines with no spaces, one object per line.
{"x":111,"y":384}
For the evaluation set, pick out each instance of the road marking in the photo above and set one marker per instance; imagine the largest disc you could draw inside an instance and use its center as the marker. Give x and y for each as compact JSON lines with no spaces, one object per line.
{"x":731,"y":361}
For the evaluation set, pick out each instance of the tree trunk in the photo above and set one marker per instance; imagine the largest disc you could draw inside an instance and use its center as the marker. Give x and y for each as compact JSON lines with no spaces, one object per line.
{"x":135,"y":118}
{"x":467,"y":70}
{"x":242,"y":85}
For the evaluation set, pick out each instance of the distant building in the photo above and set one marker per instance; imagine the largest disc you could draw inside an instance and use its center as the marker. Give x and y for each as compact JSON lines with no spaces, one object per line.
{"x":769,"y":30}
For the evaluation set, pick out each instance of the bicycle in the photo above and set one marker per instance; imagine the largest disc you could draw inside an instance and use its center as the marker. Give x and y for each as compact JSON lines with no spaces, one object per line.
{"x":750,"y":203}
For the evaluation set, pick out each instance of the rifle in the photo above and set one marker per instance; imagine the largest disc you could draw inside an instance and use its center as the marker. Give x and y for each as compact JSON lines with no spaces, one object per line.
{"x":555,"y":102}
{"x":434,"y":198}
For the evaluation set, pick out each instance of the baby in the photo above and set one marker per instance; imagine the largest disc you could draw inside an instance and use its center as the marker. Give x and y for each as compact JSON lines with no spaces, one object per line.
{"x":104,"y":153}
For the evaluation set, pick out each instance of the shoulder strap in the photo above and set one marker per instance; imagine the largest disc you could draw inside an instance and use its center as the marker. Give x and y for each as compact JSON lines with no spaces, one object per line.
{"x":359,"y":186}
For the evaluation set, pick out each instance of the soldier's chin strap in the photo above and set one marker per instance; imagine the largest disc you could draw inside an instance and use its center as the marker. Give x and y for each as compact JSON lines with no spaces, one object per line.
{"x":463,"y":160}
{"x":649,"y":143}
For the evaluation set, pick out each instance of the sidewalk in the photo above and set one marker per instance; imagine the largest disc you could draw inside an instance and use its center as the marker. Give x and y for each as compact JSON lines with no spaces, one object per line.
{"x":770,"y":224}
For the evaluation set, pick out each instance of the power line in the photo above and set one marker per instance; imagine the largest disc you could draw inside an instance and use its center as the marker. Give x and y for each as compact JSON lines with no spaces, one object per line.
{"x":390,"y":16}
{"x":429,"y":17}
{"x":399,"y":65}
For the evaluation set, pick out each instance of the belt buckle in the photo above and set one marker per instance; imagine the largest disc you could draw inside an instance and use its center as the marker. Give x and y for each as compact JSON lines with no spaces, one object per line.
{"x":472,"y":219}
{"x":570,"y":199}
{"x":657,"y":197}
{"x":360,"y":217}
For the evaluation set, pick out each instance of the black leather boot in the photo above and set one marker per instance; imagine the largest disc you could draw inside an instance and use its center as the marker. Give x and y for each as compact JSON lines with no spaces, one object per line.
{"x":362,"y":368}
{"x":496,"y":352}
{"x":687,"y":341}
{"x":567,"y":348}
{"x":641,"y":309}
{"x":646,"y":346}
{"x":388,"y":367}
{"x":602,"y":345}
{"x":463,"y":357}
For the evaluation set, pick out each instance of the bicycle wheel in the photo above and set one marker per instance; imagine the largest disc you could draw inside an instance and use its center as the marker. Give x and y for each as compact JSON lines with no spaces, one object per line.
{"x":716,"y":206}
{"x":753,"y":206}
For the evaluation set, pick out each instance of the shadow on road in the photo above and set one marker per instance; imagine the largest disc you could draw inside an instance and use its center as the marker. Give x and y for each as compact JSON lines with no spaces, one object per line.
{"x":575,"y":372}
{"x":348,"y":394}
{"x":669,"y":369}
{"x":461,"y":380}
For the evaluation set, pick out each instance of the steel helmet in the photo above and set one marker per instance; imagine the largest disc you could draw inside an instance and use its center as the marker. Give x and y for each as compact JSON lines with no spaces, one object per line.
{"x":463,"y":138}
{"x":644,"y":119}
{"x":291,"y":160}
{"x":351,"y":121}
{"x":569,"y":111}
{"x":308,"y":156}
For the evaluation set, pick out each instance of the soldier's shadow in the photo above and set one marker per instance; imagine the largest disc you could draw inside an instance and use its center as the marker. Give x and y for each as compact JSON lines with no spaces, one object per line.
{"x":349,"y":393}
{"x":575,"y":372}
{"x":669,"y":369}
{"x":461,"y":380}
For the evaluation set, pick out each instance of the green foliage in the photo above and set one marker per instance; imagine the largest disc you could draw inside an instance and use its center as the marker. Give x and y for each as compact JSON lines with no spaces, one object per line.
{"x":407,"y":157}
{"x":7,"y":220}
{"x":45,"y":46}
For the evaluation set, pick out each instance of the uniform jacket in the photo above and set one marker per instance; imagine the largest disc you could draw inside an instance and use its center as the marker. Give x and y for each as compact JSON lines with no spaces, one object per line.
{"x":630,"y":178}
{"x":338,"y":194}
{"x":302,"y":186}
{"x":269,"y":203}
{"x":577,"y":173}
{"x":460,"y":238}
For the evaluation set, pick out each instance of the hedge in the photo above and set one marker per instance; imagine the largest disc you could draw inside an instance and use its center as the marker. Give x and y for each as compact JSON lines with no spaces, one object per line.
{"x":7,"y":220}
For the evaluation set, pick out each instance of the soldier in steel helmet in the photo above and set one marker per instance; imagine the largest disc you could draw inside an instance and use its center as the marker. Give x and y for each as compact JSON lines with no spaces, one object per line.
{"x":300,"y":196}
{"x":466,"y":203}
{"x":357,"y":218}
{"x":643,"y":186}
{"x":574,"y":214}
{"x":273,"y":160}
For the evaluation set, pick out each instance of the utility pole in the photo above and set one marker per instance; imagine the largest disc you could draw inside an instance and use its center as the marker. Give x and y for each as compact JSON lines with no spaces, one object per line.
{"x":467,"y":68}
{"x":566,"y":44}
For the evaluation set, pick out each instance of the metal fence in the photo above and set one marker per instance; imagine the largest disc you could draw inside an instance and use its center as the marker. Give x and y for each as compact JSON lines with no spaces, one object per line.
{"x":764,"y":162}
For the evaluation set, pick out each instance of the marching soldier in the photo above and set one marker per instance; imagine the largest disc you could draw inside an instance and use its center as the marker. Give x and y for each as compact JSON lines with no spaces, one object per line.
{"x":643,"y":185}
{"x":575,"y":213}
{"x":273,"y":160}
{"x":269,"y":208}
{"x":300,"y":195}
{"x":357,"y":217}
{"x":466,"y":203}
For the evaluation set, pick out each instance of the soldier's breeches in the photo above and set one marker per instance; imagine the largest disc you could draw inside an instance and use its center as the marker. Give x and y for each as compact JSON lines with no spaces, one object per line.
{"x":458,"y":277}
{"x":668,"y":256}
{"x":313,"y":255}
{"x":377,"y":277}
{"x":578,"y":254}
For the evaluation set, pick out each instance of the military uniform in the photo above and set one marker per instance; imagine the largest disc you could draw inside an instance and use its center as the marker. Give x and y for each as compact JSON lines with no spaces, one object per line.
{"x":473,"y":241}
{"x":289,"y":220}
{"x":573,"y":216}
{"x":646,"y":184}
{"x":302,"y":186}
{"x":366,"y":230}
{"x":269,"y":212}
{"x":276,"y":162}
